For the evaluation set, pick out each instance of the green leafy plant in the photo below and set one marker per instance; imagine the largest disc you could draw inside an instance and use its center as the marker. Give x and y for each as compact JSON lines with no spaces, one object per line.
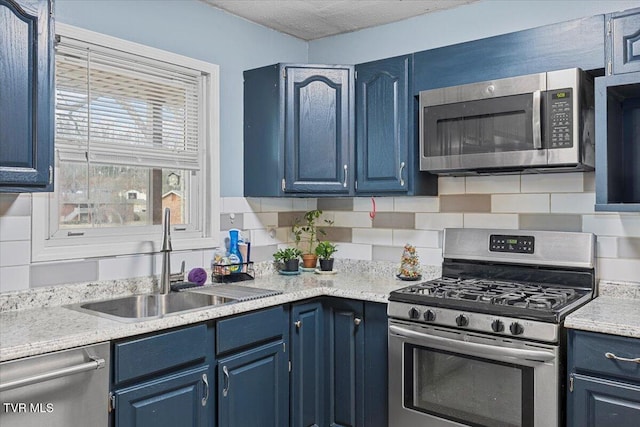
{"x":325,"y":250}
{"x":307,"y":232}
{"x":287,"y":254}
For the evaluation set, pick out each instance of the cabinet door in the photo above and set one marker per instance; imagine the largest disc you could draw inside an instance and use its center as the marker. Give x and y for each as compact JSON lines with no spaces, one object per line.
{"x":345,"y":356}
{"x":624,"y":30}
{"x":176,"y":400}
{"x":26,"y":101}
{"x":597,"y":402}
{"x":382,"y":125}
{"x":253,"y":388}
{"x":318,"y":130}
{"x":307,"y":365}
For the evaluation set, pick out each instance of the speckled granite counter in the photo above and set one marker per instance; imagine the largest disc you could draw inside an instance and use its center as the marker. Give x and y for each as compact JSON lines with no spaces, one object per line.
{"x":616,"y":311}
{"x":29,"y":332}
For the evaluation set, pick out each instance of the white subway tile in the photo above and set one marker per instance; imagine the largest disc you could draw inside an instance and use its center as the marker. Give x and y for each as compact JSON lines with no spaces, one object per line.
{"x":354,"y":251}
{"x":501,"y":221}
{"x":627,"y":225}
{"x":438,"y":221}
{"x":364,"y":204}
{"x":430,"y":256}
{"x":253,"y":220}
{"x":372,"y":236}
{"x":269,"y":204}
{"x":14,"y":278}
{"x":582,"y":203}
{"x":607,"y":247}
{"x":618,"y":269}
{"x":429,"y":239}
{"x":553,"y":183}
{"x":15,"y":253}
{"x":12,"y":204}
{"x":417,"y":204}
{"x":305,"y":204}
{"x":130,"y":266}
{"x":352,"y":219}
{"x":451,"y":185}
{"x":238,"y":205}
{"x":272,"y":236}
{"x":15,"y":228}
{"x":520,"y":203}
{"x":493,"y":184}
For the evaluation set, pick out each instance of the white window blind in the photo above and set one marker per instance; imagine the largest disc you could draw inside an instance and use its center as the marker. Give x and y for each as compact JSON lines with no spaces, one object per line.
{"x":117,"y":108}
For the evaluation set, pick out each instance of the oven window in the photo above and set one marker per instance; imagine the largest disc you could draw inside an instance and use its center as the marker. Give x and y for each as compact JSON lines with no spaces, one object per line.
{"x":469,"y":390}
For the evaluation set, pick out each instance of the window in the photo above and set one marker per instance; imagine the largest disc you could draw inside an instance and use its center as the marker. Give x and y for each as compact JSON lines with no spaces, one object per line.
{"x":136,"y":132}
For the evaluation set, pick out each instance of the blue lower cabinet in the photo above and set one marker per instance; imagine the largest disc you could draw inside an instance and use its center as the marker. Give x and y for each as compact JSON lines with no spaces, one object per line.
{"x":602,"y":403}
{"x":182,"y":399}
{"x":253,"y":387}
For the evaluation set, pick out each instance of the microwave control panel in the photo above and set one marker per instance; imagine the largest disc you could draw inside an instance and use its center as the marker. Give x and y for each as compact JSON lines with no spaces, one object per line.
{"x":560,"y":113}
{"x":514,"y":244}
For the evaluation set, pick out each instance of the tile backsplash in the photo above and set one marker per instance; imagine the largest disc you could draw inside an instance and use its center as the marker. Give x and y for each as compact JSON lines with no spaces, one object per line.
{"x":561,"y":202}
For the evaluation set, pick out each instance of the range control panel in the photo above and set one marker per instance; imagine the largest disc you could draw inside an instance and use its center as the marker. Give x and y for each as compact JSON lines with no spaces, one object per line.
{"x":514,"y":244}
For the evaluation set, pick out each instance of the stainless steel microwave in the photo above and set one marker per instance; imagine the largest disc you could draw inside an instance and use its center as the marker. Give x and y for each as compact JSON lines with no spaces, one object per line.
{"x":535,"y":123}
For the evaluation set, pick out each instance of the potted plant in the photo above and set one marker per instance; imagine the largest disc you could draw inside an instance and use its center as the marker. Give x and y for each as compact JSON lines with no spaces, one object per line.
{"x":325,"y":251}
{"x":289,"y":258}
{"x":306,"y":234}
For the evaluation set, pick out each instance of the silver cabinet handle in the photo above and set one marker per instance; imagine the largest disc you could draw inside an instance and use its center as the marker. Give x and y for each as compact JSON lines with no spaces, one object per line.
{"x":206,"y":389}
{"x":225,"y":390}
{"x":622,"y":359}
{"x":344,"y":183}
{"x":535,"y":119}
{"x":357,"y":321}
{"x":95,"y":364}
{"x":298,"y":324}
{"x":400,"y":174}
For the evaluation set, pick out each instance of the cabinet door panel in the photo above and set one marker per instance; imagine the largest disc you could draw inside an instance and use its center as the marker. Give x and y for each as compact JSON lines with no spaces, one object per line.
{"x":626,"y":43}
{"x":382,"y":101}
{"x":345,"y":331}
{"x":318,"y":130}
{"x":253,"y":388}
{"x":176,"y":400}
{"x":26,"y":102}
{"x":601,"y":403}
{"x":308,"y":371}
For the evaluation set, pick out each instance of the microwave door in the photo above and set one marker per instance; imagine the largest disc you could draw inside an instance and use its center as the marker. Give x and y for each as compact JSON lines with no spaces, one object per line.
{"x":487,"y":133}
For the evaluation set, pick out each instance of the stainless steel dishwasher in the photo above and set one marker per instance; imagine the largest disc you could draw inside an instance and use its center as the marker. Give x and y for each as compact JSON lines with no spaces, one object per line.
{"x":62,"y":389}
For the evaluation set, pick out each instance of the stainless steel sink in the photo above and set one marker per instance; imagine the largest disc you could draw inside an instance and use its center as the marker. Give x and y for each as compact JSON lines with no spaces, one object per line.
{"x":150,"y":306}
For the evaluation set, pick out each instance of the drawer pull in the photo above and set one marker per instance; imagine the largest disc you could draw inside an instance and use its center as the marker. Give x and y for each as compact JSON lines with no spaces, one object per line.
{"x":621,"y":359}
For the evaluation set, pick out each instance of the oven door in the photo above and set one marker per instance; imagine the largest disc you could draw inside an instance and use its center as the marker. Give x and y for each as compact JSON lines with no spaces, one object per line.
{"x":441,"y":378}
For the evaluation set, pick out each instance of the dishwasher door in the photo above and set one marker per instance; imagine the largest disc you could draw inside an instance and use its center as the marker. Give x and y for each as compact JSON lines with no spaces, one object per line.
{"x":62,"y":389}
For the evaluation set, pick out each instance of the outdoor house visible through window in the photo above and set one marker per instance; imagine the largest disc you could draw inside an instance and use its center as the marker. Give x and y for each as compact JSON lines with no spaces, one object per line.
{"x":131,"y":136}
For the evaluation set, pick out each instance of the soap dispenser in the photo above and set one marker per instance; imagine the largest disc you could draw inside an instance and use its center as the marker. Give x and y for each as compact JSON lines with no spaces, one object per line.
{"x":235,"y":257}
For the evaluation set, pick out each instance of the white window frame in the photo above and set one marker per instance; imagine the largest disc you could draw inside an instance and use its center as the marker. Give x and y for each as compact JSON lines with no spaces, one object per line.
{"x":112,"y":241}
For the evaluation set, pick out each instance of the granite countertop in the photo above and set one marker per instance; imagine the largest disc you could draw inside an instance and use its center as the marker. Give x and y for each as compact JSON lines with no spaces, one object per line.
{"x":32,"y":331}
{"x":616,"y":311}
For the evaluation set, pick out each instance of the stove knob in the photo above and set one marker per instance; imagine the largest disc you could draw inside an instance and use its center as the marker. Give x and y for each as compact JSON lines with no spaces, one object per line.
{"x":516,"y":328}
{"x":429,"y":315}
{"x":414,"y":313}
{"x":462,"y":320}
{"x":497,"y":326}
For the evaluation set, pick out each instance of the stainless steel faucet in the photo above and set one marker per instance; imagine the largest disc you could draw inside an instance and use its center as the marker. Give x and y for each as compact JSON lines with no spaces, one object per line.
{"x":165,"y":278}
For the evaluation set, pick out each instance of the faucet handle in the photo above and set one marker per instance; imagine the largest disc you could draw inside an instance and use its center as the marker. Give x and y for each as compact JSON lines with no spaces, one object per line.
{"x":177,"y":277}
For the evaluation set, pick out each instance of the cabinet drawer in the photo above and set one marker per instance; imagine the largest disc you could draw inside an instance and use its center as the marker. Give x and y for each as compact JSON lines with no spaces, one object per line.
{"x":137,"y":358}
{"x":589,"y":350}
{"x":248,"y":329}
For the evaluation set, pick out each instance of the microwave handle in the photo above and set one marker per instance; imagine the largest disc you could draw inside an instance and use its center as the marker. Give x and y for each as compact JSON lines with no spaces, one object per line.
{"x":537,"y":131}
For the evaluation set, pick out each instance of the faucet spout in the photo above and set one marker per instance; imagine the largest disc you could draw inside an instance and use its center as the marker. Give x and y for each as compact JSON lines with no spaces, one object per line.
{"x":165,"y":277}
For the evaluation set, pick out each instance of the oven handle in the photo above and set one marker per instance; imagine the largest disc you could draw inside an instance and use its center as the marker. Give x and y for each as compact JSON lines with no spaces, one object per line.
{"x":464,"y":346}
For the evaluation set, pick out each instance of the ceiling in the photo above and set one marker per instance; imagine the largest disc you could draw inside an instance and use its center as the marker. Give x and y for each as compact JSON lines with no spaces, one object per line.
{"x":314,"y":19}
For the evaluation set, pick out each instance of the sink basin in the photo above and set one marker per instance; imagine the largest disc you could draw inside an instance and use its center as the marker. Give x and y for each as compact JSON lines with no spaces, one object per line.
{"x":150,"y":306}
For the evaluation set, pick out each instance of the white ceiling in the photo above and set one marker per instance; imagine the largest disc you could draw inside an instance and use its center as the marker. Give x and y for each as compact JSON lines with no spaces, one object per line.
{"x":314,"y":19}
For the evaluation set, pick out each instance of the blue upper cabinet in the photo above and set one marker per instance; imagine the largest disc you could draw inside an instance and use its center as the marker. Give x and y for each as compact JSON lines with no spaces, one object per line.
{"x":576,"y":43}
{"x":318,"y":129}
{"x":26,"y":103}
{"x":298,"y":130}
{"x":623,"y":42}
{"x":386,"y":155}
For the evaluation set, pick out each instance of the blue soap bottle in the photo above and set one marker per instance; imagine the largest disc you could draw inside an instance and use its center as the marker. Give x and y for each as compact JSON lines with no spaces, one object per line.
{"x":235,"y":257}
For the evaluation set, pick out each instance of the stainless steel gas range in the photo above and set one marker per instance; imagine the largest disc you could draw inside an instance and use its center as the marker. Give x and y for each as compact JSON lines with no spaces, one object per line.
{"x":484,"y":345}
